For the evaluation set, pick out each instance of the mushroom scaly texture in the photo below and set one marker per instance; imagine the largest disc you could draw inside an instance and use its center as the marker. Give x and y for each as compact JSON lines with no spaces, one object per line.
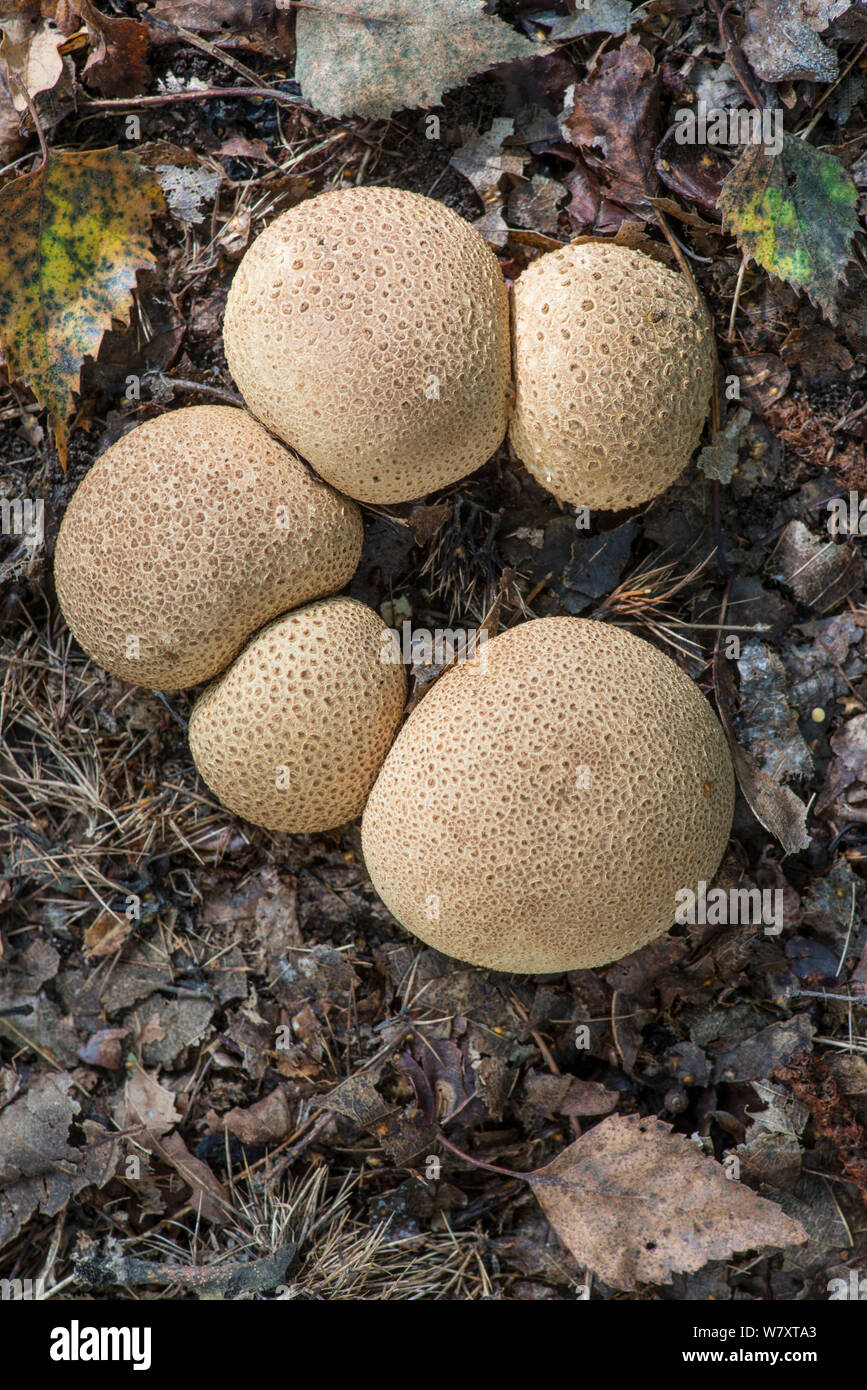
{"x":614,"y":364}
{"x":369,"y":329}
{"x":292,"y":736}
{"x":188,"y":534}
{"x":539,"y":811}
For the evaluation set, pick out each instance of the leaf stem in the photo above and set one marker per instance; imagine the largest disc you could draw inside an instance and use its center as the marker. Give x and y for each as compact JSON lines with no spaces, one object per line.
{"x":479,"y":1162}
{"x":33,"y":116}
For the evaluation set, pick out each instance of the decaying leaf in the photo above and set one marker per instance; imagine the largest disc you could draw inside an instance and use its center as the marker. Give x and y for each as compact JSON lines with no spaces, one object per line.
{"x":720,"y":458}
{"x":187,"y":181}
{"x":30,"y":52}
{"x":763,"y":378}
{"x":12,"y":142}
{"x":768,"y":725}
{"x":209,"y":1199}
{"x":39,"y":1168}
{"x":614,"y":118}
{"x":104,"y":1048}
{"x":165,"y":1027}
{"x":819,"y":572}
{"x":536,"y":205}
{"x":75,"y":232}
{"x":267,"y":1121}
{"x":774,"y":806}
{"x":262,"y":26}
{"x":483,"y":160}
{"x":358,"y":1099}
{"x":849,"y":764}
{"x":781,"y":45}
{"x":117,"y":66}
{"x":637,"y":1204}
{"x":147,"y":1112}
{"x":600,"y":17}
{"x":809,"y":1078}
{"x":106,"y":934}
{"x":372,"y":57}
{"x":795,"y":213}
{"x":145,"y":1108}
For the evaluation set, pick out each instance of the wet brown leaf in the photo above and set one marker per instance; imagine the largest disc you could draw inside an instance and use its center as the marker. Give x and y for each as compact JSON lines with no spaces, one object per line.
{"x":209,"y":1198}
{"x":117,"y":66}
{"x":569,"y":1095}
{"x":263,"y":26}
{"x":268,"y":1121}
{"x":104,"y":1049}
{"x":615,"y":118}
{"x":693,"y":172}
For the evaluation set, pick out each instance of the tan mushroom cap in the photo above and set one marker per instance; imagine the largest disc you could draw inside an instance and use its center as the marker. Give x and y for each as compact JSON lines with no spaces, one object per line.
{"x":292,"y":736}
{"x":540,"y":813}
{"x":614,"y":362}
{"x":186,"y":536}
{"x":369,"y":329}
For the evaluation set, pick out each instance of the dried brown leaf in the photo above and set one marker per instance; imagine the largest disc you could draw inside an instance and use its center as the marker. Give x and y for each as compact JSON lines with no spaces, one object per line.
{"x":637,"y":1204}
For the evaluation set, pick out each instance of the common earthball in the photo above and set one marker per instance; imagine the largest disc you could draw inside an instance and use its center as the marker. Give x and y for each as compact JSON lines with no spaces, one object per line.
{"x":369,"y":329}
{"x":540,"y":809}
{"x":614,"y":360}
{"x":293,"y":734}
{"x":186,"y":536}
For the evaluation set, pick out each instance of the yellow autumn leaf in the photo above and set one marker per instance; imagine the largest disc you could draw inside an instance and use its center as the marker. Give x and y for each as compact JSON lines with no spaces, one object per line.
{"x":74,"y":233}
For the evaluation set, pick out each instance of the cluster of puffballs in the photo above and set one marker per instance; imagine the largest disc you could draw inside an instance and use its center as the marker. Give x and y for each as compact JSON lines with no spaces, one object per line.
{"x":540,"y":808}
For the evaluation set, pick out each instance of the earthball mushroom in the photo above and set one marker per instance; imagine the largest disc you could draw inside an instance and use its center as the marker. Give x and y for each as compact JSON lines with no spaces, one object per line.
{"x":541,"y":807}
{"x":186,"y":536}
{"x":369,"y":329}
{"x":614,"y":362}
{"x":292,"y":736}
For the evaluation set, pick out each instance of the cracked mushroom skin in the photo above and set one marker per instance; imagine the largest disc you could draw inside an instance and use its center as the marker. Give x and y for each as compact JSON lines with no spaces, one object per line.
{"x":186,"y":536}
{"x":614,"y":364}
{"x":539,"y":812}
{"x":292,"y":736}
{"x":369,"y":329}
